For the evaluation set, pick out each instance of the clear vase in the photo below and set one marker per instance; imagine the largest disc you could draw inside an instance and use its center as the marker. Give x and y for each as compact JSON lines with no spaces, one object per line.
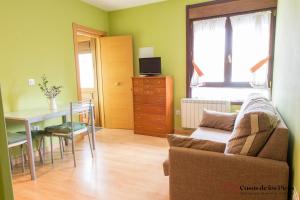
{"x":52,"y":104}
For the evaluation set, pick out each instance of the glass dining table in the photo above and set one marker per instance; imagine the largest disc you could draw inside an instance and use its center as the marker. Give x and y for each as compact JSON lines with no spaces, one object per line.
{"x":27,"y":117}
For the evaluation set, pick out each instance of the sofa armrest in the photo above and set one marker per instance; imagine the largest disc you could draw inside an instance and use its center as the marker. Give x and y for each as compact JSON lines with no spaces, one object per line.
{"x":197,"y":174}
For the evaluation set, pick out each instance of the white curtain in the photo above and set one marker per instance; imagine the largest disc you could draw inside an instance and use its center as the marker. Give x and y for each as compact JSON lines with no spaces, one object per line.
{"x":209,"y":50}
{"x":251,"y":36}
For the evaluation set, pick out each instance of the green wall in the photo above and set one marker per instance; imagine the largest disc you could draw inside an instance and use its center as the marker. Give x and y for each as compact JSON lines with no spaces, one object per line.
{"x":161,"y":25}
{"x":36,"y":37}
{"x":286,"y":93}
{"x":6,"y":191}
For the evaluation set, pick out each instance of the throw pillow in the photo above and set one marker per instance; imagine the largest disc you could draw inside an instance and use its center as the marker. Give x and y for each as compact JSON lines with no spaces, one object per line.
{"x":254,"y":125}
{"x":218,"y":120}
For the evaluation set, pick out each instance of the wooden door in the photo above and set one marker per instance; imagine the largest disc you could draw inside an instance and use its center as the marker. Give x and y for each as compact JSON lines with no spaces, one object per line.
{"x":117,"y":71}
{"x":88,"y":74}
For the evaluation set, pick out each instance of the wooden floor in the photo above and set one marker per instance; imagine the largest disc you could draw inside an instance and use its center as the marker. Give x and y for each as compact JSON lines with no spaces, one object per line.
{"x":125,"y":167}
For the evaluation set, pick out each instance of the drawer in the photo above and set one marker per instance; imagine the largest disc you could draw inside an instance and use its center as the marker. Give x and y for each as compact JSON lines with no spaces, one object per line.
{"x":152,"y":83}
{"x":138,"y":91}
{"x":155,"y":91}
{"x":138,"y":82}
{"x":153,"y":130}
{"x":154,"y":100}
{"x":149,"y":119}
{"x":149,"y":109}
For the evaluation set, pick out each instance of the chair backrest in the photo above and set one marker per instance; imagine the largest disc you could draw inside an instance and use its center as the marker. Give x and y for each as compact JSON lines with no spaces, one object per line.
{"x":82,"y":108}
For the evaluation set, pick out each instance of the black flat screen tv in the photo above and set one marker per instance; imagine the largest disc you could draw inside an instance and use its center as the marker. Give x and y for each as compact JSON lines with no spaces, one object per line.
{"x":150,"y":66}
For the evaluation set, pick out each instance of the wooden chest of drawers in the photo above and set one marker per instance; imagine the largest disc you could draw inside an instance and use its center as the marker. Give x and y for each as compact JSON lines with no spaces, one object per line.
{"x":153,"y":105}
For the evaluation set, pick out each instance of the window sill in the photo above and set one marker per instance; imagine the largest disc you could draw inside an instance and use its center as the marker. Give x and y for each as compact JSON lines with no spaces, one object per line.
{"x":235,"y":95}
{"x":227,"y":85}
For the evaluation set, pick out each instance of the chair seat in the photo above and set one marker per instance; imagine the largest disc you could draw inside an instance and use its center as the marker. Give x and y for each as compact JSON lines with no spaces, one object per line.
{"x":34,"y":133}
{"x":14,"y":138}
{"x":66,"y":127}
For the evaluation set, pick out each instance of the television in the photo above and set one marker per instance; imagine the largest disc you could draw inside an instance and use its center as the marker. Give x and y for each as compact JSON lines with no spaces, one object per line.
{"x":150,"y":66}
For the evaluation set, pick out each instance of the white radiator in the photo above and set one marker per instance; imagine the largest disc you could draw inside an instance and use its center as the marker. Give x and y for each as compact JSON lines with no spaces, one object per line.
{"x":192,"y":109}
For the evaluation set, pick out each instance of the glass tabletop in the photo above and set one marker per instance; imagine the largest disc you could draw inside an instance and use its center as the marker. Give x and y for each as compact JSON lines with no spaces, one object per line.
{"x":40,"y":114}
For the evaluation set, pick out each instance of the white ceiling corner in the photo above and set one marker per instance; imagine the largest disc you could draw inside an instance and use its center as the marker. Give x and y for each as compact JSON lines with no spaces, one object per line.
{"x":110,"y":5}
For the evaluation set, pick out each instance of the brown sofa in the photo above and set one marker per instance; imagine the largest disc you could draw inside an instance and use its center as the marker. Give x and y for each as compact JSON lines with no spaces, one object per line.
{"x":205,"y":175}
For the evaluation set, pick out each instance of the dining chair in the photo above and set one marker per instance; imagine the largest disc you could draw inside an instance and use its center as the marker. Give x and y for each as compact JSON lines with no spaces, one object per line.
{"x":69,"y":130}
{"x":38,"y":135}
{"x":14,"y":140}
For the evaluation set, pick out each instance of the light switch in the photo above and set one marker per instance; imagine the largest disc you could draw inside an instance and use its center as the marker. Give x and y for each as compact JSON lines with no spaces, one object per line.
{"x":31,"y":82}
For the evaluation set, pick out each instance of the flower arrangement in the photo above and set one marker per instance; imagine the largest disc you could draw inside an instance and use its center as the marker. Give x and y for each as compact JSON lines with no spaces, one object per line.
{"x":49,"y":91}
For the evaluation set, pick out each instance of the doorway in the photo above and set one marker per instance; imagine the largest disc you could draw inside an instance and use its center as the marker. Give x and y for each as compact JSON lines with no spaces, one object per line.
{"x":104,"y":67}
{"x":88,"y":65}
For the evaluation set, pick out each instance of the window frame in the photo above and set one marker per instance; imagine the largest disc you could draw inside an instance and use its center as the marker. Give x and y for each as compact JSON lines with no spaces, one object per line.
{"x":228,"y":43}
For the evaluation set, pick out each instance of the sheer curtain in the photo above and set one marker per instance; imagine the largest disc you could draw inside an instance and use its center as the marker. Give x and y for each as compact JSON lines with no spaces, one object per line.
{"x":251,"y":36}
{"x":209,"y":50}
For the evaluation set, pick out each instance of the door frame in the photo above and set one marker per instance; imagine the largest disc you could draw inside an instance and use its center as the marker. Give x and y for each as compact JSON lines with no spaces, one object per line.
{"x":96,"y":34}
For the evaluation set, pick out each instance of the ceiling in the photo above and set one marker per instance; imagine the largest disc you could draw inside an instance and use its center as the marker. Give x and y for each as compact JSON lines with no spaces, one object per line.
{"x":111,"y":5}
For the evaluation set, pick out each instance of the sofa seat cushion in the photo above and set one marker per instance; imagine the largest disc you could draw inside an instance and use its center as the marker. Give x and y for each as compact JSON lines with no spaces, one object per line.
{"x":211,"y":134}
{"x":253,"y":127}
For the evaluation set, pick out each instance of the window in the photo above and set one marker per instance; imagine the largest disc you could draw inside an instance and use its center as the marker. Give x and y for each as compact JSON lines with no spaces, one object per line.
{"x":250,"y":45}
{"x":209,"y":48}
{"x":226,"y":48}
{"x":233,"y":49}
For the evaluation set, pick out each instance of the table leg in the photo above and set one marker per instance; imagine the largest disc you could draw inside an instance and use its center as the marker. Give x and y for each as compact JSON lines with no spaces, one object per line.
{"x":30,"y":150}
{"x":93,"y":128}
{"x":64,"y":120}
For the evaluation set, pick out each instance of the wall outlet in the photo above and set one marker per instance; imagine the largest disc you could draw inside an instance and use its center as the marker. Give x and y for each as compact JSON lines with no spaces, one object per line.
{"x":178,"y":112}
{"x":295,"y":194}
{"x":36,"y":128}
{"x":31,"y":82}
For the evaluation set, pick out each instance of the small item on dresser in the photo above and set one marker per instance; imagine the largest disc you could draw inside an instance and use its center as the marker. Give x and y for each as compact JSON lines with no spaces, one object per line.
{"x":218,"y":120}
{"x":189,"y":142}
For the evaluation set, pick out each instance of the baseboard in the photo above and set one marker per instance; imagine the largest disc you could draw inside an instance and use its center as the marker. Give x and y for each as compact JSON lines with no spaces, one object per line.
{"x":151,"y":134}
{"x":295,"y":194}
{"x":184,"y":131}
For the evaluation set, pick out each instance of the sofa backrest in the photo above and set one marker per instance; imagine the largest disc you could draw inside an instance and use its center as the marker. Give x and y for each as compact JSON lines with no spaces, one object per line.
{"x":276,"y":147}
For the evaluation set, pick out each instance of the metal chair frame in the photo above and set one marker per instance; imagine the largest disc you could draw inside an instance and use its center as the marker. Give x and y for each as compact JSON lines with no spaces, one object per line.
{"x":21,"y":144}
{"x":78,"y":106}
